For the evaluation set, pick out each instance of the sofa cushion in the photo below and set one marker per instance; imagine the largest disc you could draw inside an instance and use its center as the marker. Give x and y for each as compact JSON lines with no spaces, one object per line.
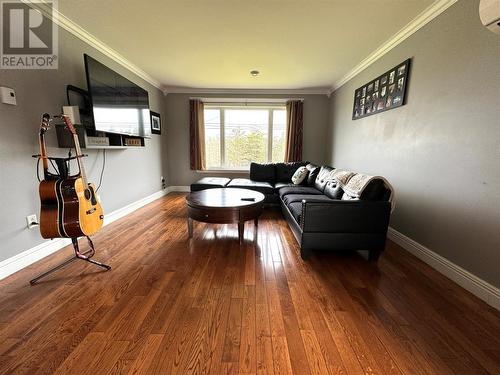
{"x":333,"y":190}
{"x":297,"y":190}
{"x":245,"y":183}
{"x":209,"y":183}
{"x":322,"y":178}
{"x":296,"y":210}
{"x":290,"y":198}
{"x":285,"y":171}
{"x":313,"y":173}
{"x":279,"y":185}
{"x":262,"y":172}
{"x":300,"y":175}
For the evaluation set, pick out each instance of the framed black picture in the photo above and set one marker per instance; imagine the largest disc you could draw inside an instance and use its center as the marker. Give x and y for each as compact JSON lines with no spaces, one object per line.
{"x":387,"y":91}
{"x":155,"y":123}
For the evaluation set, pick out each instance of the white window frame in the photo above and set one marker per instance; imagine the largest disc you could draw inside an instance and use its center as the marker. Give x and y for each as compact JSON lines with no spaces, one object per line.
{"x":222,"y":107}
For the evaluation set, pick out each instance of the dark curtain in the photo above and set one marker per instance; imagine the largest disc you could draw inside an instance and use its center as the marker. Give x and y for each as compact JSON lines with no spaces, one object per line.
{"x":294,"y":130}
{"x":197,"y":135}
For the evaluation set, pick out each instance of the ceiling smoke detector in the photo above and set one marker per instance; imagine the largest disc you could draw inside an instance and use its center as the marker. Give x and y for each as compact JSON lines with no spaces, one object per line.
{"x":254,"y":73}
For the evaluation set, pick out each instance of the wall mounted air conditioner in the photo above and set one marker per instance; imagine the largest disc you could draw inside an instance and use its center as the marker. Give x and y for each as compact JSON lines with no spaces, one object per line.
{"x":489,"y":11}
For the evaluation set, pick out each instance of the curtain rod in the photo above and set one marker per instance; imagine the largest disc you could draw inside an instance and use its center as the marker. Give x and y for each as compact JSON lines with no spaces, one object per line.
{"x":244,"y":100}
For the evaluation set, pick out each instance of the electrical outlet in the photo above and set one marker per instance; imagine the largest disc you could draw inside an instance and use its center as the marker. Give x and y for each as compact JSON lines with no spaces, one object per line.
{"x":163,"y":185}
{"x":31,"y":221}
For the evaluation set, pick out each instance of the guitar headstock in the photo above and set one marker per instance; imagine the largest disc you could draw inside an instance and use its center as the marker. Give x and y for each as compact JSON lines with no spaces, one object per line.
{"x":45,"y":123}
{"x":69,"y":124}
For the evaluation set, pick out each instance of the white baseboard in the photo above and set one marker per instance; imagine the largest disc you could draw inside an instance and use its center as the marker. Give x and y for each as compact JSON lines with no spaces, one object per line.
{"x":480,"y":288}
{"x":30,"y":256}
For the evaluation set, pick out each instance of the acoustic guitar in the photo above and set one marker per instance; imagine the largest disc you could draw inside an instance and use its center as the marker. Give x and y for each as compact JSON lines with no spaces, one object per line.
{"x":69,"y":204}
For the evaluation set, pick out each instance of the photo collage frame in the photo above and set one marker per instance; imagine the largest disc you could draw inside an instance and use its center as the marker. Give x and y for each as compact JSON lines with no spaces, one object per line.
{"x":387,"y":91}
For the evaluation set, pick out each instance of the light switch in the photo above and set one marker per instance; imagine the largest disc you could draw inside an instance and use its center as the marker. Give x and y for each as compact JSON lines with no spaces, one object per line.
{"x":8,"y":95}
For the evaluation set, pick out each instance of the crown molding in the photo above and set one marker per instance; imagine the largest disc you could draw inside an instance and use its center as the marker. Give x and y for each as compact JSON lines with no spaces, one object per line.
{"x":190,"y":90}
{"x":431,"y":12}
{"x":70,"y":26}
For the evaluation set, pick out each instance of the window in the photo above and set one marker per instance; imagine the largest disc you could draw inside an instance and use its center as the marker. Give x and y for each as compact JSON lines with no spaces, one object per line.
{"x":236,"y":136}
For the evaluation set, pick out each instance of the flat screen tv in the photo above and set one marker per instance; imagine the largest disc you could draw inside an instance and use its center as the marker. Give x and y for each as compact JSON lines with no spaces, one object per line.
{"x":118,"y":105}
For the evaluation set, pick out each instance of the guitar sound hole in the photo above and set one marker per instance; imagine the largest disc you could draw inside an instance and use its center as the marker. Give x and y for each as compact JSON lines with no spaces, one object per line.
{"x":87,"y":194}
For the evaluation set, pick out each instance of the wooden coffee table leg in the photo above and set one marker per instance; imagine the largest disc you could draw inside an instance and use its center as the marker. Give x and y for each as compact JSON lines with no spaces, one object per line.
{"x":190,"y":227}
{"x":241,"y":230}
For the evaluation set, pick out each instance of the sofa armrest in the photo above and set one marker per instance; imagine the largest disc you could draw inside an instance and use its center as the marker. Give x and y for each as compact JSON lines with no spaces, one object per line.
{"x":339,"y":216}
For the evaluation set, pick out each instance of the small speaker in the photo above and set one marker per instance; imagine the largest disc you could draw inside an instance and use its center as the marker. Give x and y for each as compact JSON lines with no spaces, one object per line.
{"x":73,"y":112}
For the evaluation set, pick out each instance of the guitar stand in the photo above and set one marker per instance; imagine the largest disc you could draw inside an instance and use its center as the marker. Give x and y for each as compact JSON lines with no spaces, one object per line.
{"x":86,"y":256}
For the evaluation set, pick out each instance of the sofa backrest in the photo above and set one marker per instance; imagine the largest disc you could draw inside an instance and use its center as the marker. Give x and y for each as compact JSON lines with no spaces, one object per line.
{"x":285,"y":171}
{"x":263,"y":172}
{"x":322,"y":178}
{"x":274,"y":172}
{"x":333,"y":190}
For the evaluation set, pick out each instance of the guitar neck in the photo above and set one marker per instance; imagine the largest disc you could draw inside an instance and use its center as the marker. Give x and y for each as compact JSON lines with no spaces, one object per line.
{"x":43,"y":154}
{"x":79,"y":160}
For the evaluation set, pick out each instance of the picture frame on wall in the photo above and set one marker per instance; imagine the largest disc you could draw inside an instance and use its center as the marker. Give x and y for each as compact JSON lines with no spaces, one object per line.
{"x":387,"y":91}
{"x":155,"y":123}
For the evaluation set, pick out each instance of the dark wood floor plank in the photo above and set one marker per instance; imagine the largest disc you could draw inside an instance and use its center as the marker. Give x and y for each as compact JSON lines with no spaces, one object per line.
{"x":83,"y":355}
{"x":146,"y":355}
{"x":407,"y":357}
{"x":281,"y":356}
{"x":454,"y":355}
{"x":233,"y":331}
{"x":390,"y":327}
{"x":292,"y":331}
{"x":218,"y":324}
{"x":264,"y":347}
{"x":54,"y":328}
{"x":200,"y":355}
{"x":64,"y":347}
{"x":208,"y":305}
{"x":105,"y":360}
{"x":315,"y":358}
{"x":248,"y":358}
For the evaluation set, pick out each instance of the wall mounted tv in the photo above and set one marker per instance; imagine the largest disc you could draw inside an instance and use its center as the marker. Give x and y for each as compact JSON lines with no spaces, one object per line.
{"x":118,"y":105}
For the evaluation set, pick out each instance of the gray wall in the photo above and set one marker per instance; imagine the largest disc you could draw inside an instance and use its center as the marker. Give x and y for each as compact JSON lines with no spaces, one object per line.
{"x":177,"y":115}
{"x":130,"y":174}
{"x":441,"y":151}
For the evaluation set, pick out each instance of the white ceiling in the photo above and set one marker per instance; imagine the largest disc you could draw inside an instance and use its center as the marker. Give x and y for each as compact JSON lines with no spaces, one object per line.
{"x":295,"y":44}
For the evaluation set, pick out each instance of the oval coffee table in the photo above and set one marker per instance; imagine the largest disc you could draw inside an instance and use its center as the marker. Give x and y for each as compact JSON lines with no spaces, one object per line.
{"x":224,"y":206}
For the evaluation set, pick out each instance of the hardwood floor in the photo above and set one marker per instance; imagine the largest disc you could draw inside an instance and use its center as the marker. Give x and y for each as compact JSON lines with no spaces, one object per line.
{"x":175,"y":306}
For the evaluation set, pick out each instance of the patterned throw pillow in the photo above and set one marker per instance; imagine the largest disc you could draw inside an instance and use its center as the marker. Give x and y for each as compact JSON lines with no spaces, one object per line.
{"x":300,"y":175}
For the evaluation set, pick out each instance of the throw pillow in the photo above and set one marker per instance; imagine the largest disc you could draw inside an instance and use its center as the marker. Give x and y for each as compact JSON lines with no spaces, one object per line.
{"x":300,"y":175}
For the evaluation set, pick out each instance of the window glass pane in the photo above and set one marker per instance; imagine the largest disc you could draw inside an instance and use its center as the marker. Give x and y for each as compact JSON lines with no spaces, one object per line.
{"x":279,"y":126}
{"x":212,"y":138}
{"x":246,"y":136}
